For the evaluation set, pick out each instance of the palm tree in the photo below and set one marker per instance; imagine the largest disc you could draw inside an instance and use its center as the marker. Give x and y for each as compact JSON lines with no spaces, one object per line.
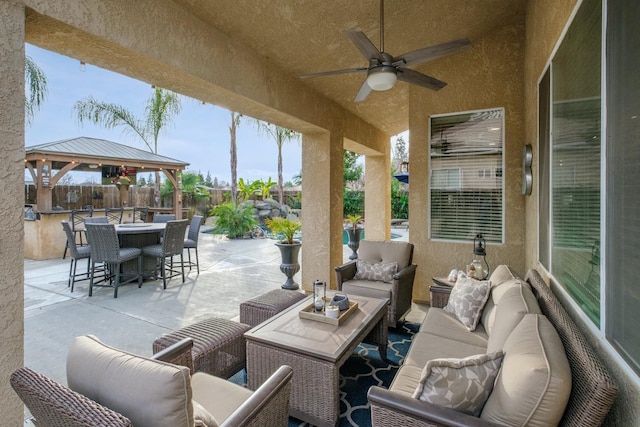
{"x":160,"y":110}
{"x":35,"y":88}
{"x":233,"y":152}
{"x":280,"y":135}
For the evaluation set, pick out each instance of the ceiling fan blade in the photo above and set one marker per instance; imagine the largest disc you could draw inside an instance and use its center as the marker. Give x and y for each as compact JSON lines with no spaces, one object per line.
{"x":416,"y":78}
{"x":433,"y":52}
{"x":364,"y":91}
{"x":364,"y":45}
{"x":330,"y":73}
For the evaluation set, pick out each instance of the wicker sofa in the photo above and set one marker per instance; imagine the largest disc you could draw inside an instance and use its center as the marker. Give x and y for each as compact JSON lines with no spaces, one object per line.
{"x":548,"y":375}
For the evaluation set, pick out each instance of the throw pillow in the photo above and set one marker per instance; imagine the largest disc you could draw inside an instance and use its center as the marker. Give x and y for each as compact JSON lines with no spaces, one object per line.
{"x":467,"y":299}
{"x":382,"y":272}
{"x":460,"y":384}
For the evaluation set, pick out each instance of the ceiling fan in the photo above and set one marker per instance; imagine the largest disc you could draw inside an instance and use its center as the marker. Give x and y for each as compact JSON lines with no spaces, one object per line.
{"x":384,"y":69}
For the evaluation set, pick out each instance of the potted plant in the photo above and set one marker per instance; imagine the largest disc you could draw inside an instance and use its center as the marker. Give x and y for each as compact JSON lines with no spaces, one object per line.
{"x":353,"y":226}
{"x":289,"y":248}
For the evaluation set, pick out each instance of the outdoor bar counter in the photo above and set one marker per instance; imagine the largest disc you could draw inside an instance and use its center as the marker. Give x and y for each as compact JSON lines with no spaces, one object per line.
{"x":45,"y":239}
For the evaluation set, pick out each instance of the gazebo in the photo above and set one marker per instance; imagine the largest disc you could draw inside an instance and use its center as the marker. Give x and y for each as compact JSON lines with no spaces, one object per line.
{"x":118,"y":164}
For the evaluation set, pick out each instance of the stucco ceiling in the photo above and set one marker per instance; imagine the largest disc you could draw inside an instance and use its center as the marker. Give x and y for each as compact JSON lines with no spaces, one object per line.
{"x":304,"y":36}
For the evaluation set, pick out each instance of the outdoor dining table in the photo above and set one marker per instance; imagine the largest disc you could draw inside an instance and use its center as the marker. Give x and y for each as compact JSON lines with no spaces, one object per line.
{"x":139,"y":235}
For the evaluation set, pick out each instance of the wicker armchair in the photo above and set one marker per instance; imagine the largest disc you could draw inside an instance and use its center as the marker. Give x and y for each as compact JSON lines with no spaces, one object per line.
{"x":398,"y":289}
{"x":172,"y":245}
{"x":105,"y":248}
{"x":53,"y":404}
{"x":191,"y":242}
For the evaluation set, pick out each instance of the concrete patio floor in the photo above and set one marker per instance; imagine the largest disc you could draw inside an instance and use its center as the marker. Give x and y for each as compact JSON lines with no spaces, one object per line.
{"x":231,"y":271}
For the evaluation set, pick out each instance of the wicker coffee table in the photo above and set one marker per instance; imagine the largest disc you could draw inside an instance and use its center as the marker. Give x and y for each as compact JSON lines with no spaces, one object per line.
{"x":315,"y":351}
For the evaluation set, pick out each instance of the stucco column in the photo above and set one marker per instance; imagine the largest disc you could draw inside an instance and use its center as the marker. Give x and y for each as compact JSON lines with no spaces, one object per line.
{"x":322,"y":185}
{"x":377,"y":193}
{"x":11,"y":209}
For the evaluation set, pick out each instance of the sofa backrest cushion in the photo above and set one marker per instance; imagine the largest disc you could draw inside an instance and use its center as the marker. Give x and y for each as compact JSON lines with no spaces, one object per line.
{"x":386,"y":251}
{"x":501,"y":274}
{"x":148,"y":392}
{"x":517,"y":301}
{"x":534,"y":383}
{"x":497,"y":292}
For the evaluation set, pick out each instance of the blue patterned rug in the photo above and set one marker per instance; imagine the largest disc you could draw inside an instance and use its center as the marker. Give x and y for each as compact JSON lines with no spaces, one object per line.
{"x":362,"y":370}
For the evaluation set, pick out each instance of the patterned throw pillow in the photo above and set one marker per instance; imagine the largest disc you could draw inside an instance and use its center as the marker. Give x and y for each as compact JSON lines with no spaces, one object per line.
{"x":460,"y":384}
{"x":467,"y":299}
{"x":382,"y":272}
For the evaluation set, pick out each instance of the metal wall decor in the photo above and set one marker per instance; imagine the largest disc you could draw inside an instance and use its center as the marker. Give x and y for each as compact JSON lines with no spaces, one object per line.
{"x":527,"y":174}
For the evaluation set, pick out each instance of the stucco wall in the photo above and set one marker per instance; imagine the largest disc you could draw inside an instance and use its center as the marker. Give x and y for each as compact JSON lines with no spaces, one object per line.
{"x":546,"y":20}
{"x":490,"y":75}
{"x":11,"y":194}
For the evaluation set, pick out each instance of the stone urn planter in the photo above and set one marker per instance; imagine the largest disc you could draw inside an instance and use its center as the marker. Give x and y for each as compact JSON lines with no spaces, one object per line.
{"x":289,"y":248}
{"x":354,"y":239}
{"x":353,"y":226}
{"x":290,"y":266}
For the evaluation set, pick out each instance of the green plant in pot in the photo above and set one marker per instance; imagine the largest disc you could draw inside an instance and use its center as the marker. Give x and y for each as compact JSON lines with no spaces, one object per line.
{"x":289,"y":248}
{"x":353,"y":226}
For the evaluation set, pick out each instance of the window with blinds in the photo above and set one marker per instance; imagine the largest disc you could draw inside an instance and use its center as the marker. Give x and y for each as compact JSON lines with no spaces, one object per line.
{"x":466,"y":185}
{"x":575,"y":160}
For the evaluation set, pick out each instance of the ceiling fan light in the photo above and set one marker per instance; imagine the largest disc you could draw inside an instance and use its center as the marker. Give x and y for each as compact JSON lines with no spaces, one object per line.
{"x":382,"y":80}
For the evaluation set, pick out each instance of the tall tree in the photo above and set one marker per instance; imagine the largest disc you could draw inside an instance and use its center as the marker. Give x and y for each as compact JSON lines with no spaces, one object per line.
{"x":35,"y":88}
{"x":352,"y":171}
{"x":280,"y":135}
{"x":160,"y":110}
{"x":399,"y":152}
{"x":233,"y":154}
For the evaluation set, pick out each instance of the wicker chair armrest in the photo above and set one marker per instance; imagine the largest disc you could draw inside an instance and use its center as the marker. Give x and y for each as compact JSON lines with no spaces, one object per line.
{"x":393,"y":409}
{"x":53,"y":404}
{"x":178,"y":354}
{"x":406,"y":273}
{"x":345,"y":272}
{"x":268,"y":405}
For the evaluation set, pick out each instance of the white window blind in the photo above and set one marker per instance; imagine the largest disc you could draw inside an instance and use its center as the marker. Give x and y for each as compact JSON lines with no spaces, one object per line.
{"x":466,"y":185}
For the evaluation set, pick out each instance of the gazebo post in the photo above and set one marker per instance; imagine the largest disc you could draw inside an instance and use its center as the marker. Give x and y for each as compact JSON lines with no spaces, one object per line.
{"x":43,"y":187}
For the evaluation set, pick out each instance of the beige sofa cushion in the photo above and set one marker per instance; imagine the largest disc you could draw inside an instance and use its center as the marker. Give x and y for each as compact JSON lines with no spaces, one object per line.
{"x":386,"y":251}
{"x":218,"y":396}
{"x":534,"y":383}
{"x":367,"y":288}
{"x":460,"y":384}
{"x":489,"y":312}
{"x":501,"y":274}
{"x":148,"y":392}
{"x":425,"y":346}
{"x":406,"y":380}
{"x":439,"y":322}
{"x":514,"y":304}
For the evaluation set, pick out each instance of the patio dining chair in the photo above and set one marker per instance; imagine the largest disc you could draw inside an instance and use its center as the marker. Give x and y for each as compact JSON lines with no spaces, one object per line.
{"x":191,"y":242}
{"x":172,"y":245}
{"x":114,"y":215}
{"x":76,"y":253}
{"x":77,"y":225}
{"x":140,"y":214}
{"x":105,"y":248}
{"x":158,"y":218}
{"x":96,"y":220}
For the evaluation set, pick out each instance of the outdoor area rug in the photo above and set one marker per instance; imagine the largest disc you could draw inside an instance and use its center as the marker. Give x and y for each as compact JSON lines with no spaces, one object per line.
{"x":362,"y":370}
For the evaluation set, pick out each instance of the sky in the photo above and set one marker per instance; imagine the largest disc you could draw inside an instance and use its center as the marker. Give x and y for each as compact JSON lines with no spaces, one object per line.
{"x":199,"y":135}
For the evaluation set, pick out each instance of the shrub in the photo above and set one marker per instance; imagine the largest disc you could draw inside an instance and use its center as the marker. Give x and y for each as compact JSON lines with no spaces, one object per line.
{"x":234,"y":220}
{"x":287,"y":227}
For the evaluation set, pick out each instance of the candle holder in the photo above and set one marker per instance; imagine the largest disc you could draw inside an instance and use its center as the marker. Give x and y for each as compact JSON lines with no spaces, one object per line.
{"x":319,"y":296}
